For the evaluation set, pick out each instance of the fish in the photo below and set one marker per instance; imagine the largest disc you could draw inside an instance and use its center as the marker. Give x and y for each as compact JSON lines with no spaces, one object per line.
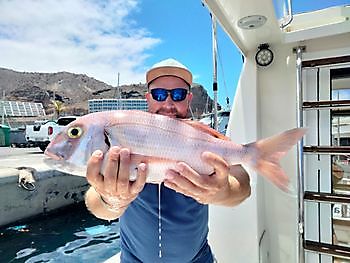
{"x":161,"y":141}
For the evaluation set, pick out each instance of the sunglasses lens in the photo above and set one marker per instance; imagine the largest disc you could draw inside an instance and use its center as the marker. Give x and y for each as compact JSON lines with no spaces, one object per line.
{"x":178,"y":94}
{"x":159,"y":94}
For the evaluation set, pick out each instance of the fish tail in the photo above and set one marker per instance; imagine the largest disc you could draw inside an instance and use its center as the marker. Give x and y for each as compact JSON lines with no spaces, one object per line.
{"x":269,"y":151}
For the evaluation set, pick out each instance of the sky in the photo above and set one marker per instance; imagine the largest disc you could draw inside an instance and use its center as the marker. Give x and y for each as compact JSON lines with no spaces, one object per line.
{"x":101,"y":38}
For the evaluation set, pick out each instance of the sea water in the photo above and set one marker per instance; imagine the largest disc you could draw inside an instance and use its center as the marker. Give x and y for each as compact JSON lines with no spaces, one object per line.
{"x":71,"y":235}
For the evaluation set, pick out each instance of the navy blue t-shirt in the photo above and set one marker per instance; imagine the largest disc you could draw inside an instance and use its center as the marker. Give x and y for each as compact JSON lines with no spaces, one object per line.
{"x":184,"y":224}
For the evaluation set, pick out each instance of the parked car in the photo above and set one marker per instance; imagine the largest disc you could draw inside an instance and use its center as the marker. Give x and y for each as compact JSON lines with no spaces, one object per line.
{"x":41,"y":133}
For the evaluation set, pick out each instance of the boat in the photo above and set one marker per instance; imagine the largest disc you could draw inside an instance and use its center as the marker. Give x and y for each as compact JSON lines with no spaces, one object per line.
{"x":222,"y":120}
{"x":294,"y":67}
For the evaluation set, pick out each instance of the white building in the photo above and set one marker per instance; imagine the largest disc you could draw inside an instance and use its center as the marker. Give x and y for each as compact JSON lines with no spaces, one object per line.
{"x":117,"y":104}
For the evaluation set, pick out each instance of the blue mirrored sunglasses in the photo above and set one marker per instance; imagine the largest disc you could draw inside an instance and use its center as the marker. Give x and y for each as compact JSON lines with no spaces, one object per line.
{"x":178,"y":94}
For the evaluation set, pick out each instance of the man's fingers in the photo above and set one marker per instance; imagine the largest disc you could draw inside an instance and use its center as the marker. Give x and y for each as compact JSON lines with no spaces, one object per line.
{"x":221,"y":167}
{"x":182,"y":184}
{"x":176,"y":188}
{"x":138,"y":185}
{"x":123,"y":175}
{"x":186,"y":171}
{"x":111,"y":170}
{"x":94,"y":164}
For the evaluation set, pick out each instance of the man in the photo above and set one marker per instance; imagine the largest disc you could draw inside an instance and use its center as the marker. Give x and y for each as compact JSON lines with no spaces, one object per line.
{"x":183,"y":196}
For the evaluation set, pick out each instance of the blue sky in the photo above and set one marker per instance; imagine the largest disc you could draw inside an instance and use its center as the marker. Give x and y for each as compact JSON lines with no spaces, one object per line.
{"x":302,"y":5}
{"x":185,"y":30}
{"x":101,"y":38}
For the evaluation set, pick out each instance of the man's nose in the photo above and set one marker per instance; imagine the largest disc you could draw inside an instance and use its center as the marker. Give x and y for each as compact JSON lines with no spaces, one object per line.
{"x":169,"y":102}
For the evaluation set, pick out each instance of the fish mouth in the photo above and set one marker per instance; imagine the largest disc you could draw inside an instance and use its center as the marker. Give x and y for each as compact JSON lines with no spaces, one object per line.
{"x":65,"y":166}
{"x":53,"y":156}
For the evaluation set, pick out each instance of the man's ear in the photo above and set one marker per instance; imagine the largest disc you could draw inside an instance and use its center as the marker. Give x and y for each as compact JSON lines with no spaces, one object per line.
{"x":148,"y":96}
{"x":190,"y":95}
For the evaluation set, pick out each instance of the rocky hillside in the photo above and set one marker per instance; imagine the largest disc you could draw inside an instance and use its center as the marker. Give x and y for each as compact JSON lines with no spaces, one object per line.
{"x":74,"y":90}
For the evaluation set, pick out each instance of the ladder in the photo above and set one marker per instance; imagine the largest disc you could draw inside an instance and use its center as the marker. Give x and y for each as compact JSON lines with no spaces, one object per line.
{"x":317,"y":152}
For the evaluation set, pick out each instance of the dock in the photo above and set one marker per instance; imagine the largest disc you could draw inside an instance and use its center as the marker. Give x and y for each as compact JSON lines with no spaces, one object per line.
{"x":28,"y":187}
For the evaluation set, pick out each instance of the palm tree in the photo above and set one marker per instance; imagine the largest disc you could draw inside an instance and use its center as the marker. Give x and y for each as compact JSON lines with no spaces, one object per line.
{"x":58,"y":106}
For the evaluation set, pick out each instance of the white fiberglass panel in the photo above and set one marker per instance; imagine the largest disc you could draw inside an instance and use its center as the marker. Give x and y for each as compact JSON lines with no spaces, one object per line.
{"x":233,"y":232}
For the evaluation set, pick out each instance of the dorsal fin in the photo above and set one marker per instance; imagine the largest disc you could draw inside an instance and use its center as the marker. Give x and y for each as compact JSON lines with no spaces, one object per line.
{"x":205,"y":128}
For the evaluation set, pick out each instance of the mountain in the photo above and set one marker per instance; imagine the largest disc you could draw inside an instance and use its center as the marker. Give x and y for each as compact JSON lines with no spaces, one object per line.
{"x":74,"y":90}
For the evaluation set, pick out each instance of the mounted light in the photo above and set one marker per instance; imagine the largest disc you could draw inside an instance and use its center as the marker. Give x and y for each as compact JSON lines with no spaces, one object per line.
{"x":252,"y":22}
{"x":264,"y":56}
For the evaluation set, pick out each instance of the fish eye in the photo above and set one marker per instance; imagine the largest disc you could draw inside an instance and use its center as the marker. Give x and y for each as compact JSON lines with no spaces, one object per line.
{"x":74,"y":132}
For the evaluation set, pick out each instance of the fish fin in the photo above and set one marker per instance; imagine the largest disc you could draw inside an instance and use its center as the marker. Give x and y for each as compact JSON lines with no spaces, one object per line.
{"x":268,"y":153}
{"x":206,"y":129}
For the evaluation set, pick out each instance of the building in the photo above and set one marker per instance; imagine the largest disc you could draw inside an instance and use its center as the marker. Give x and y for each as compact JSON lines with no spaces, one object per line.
{"x":97,"y":105}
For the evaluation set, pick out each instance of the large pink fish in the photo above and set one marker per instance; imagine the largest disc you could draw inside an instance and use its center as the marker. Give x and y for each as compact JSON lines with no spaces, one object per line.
{"x":161,"y":141}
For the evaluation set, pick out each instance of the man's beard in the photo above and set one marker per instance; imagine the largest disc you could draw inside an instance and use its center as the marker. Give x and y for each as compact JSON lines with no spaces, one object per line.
{"x":173,"y":114}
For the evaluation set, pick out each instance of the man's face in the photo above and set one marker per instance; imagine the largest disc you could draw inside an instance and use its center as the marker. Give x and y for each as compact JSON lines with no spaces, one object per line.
{"x":168,"y":107}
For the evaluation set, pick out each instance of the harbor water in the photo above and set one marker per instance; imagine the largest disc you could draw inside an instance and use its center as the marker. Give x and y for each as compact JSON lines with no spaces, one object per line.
{"x":68,"y":235}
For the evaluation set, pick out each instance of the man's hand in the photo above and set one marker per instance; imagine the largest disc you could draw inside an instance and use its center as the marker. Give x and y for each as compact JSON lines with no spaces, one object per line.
{"x":228,"y":185}
{"x":112,"y":191}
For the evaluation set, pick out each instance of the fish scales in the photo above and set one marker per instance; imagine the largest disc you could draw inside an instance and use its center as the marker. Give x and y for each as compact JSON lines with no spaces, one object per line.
{"x":169,"y":138}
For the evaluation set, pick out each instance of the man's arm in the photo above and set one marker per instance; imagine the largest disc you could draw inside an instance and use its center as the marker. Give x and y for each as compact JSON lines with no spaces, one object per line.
{"x":111,"y":193}
{"x":228,"y":186}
